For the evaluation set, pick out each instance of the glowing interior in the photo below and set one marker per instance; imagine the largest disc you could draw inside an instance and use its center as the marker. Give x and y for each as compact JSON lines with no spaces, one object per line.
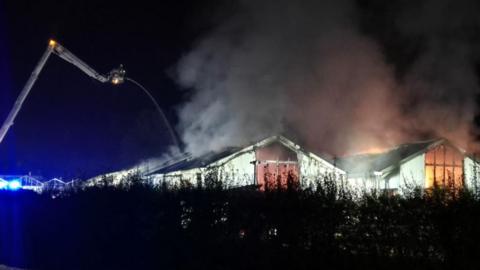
{"x":276,"y":165}
{"x":443,"y":167}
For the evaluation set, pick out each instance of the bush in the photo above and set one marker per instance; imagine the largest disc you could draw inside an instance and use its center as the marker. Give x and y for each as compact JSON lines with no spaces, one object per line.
{"x":139,"y":227}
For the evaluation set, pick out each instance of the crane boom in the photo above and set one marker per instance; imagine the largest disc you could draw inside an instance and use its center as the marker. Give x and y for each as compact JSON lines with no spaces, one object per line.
{"x":55,"y":48}
{"x":71,"y":58}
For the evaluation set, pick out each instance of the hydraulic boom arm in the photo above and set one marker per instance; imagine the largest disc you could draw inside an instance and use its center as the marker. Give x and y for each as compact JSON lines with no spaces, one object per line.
{"x":115,"y":77}
{"x":71,"y":58}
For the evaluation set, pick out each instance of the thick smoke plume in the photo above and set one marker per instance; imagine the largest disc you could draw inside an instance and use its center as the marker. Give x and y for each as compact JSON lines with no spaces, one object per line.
{"x":307,"y":69}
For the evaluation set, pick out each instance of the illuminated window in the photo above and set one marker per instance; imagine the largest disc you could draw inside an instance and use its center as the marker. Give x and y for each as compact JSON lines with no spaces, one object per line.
{"x":276,"y":166}
{"x":443,"y":167}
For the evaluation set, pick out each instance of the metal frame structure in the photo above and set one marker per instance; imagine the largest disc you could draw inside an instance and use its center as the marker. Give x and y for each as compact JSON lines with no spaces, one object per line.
{"x":115,"y":77}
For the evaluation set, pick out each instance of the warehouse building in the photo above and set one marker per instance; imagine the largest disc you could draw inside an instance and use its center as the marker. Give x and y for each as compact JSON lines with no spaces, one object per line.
{"x":268,"y":163}
{"x":425,"y":165}
{"x":278,"y":161}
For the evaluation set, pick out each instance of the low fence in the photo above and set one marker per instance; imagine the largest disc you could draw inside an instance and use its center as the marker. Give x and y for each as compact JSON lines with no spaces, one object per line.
{"x":35,"y":183}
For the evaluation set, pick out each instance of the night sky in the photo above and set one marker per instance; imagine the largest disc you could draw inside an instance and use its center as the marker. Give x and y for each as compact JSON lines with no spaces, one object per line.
{"x":74,"y":126}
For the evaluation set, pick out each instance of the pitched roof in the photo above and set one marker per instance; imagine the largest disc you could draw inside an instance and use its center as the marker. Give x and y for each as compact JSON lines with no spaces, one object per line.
{"x":197,"y":162}
{"x":381,"y":161}
{"x":212,"y":157}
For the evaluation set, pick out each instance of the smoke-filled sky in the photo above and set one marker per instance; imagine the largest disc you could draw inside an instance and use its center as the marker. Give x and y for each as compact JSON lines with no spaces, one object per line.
{"x":338,"y":77}
{"x":334,"y":75}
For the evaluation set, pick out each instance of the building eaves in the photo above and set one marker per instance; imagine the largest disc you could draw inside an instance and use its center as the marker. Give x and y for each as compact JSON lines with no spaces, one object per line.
{"x":219,"y":158}
{"x":386,"y":161}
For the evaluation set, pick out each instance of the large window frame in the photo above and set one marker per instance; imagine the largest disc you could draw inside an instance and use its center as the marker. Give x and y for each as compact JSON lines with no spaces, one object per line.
{"x":444,"y":167}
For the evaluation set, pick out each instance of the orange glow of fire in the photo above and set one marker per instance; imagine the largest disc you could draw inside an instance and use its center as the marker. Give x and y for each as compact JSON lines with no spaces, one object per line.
{"x":373,"y":150}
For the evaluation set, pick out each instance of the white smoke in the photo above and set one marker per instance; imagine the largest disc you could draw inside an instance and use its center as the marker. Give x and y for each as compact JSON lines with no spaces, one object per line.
{"x":304,"y":68}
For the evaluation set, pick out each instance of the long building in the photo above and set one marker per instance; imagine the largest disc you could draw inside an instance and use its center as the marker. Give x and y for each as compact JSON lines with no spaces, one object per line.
{"x":267,"y":163}
{"x":274,"y":160}
{"x":425,"y":165}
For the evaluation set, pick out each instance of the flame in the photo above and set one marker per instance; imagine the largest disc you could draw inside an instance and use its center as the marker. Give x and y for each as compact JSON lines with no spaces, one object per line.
{"x":366,"y":151}
{"x":375,"y":150}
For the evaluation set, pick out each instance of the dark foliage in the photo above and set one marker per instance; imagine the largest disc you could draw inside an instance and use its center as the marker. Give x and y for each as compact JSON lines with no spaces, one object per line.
{"x":139,"y":227}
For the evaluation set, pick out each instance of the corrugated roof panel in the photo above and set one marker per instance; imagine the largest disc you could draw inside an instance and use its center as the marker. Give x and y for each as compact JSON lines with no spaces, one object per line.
{"x":198,"y":162}
{"x":381,"y":161}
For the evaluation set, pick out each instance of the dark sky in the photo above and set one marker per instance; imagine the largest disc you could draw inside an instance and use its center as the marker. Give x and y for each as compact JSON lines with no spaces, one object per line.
{"x":71,"y":125}
{"x":74,"y":126}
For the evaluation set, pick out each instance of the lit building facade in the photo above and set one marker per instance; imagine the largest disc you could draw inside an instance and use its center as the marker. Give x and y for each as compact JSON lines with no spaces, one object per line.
{"x":268,"y":163}
{"x":425,"y":165}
